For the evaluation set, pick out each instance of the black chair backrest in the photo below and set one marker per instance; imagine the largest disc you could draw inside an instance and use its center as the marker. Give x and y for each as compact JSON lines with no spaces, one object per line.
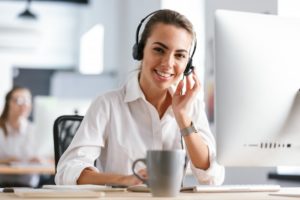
{"x":64,"y":130}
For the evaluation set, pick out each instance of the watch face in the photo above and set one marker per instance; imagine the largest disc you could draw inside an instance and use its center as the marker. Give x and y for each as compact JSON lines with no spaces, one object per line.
{"x":188,"y":130}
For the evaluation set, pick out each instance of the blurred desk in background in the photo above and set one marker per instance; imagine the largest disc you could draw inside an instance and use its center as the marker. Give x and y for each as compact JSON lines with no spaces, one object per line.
{"x":26,"y":168}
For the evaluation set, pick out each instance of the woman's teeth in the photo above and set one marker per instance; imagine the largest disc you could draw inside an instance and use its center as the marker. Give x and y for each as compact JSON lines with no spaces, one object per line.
{"x":163,"y":74}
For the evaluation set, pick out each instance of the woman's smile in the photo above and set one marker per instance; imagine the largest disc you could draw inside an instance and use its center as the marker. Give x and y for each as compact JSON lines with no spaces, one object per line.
{"x":162,"y":75}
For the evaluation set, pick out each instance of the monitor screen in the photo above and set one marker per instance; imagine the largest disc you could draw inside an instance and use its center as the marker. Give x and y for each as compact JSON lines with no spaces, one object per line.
{"x":46,"y":110}
{"x":257,"y":89}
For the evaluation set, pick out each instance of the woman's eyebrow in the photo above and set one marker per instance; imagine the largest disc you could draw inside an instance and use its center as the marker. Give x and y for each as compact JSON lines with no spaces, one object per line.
{"x":166,"y":47}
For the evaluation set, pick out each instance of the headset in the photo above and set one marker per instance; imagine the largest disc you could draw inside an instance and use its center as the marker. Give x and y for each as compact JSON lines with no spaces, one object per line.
{"x":137,"y":51}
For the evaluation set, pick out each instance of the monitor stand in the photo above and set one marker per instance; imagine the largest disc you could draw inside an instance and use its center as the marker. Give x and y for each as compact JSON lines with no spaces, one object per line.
{"x":286,"y":173}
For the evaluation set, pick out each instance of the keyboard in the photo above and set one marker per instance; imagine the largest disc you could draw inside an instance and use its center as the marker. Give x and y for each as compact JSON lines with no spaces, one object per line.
{"x":231,"y":188}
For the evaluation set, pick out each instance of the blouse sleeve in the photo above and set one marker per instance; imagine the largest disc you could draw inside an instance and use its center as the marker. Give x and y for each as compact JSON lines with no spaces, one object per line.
{"x":86,"y":145}
{"x":215,"y":174}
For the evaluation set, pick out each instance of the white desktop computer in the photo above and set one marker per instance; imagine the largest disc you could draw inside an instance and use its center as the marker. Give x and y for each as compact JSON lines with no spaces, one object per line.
{"x":257,"y":78}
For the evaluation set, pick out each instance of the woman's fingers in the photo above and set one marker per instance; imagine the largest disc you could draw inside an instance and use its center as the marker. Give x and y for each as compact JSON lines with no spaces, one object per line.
{"x":179,"y":88}
{"x":193,"y":84}
{"x":143,"y":173}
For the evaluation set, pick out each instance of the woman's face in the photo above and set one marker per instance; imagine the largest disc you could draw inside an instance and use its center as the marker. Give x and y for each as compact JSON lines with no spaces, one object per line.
{"x":166,"y":54}
{"x":20,"y":103}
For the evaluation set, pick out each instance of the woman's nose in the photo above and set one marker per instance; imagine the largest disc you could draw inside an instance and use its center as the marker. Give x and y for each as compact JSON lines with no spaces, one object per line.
{"x":168,"y":60}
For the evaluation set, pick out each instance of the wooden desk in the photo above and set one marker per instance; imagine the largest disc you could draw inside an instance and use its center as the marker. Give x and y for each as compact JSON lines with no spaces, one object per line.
{"x":28,"y":169}
{"x":182,"y":196}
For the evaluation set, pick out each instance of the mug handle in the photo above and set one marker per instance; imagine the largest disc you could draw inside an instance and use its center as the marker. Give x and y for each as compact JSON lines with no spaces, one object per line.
{"x":136,"y":174}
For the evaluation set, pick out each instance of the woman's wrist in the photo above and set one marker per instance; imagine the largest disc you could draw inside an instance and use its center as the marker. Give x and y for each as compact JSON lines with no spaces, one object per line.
{"x":183,"y":120}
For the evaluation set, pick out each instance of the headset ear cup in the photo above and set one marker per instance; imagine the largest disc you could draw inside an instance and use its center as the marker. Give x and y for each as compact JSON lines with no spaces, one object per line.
{"x":189,"y":67}
{"x":135,"y":51}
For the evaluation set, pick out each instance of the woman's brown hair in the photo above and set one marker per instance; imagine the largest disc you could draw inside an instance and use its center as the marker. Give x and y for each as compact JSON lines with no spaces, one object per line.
{"x":4,"y":114}
{"x":165,"y":16}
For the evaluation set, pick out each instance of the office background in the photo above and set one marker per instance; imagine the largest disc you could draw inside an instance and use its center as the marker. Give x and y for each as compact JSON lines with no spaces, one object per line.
{"x":47,"y":53}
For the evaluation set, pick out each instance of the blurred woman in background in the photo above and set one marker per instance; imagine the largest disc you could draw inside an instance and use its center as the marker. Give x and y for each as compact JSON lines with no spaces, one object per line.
{"x":17,"y":142}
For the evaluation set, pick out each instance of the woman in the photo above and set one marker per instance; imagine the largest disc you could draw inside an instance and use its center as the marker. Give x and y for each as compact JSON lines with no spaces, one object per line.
{"x":120,"y":126}
{"x":16,"y":136}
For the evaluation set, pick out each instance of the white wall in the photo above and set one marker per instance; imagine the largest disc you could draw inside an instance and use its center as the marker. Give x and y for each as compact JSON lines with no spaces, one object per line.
{"x":47,"y":42}
{"x":130,"y":16}
{"x":5,"y":79}
{"x":107,"y":14}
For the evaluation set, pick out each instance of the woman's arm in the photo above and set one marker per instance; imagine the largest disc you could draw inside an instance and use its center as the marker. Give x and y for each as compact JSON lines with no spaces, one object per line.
{"x":181,"y":103}
{"x":196,"y":147}
{"x":89,"y":176}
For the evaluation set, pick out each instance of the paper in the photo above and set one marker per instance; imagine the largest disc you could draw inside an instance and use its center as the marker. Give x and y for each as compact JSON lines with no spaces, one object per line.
{"x":39,"y":193}
{"x":89,"y":187}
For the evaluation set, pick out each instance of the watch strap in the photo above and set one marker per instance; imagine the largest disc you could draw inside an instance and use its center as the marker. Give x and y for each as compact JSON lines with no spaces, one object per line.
{"x":188,"y":130}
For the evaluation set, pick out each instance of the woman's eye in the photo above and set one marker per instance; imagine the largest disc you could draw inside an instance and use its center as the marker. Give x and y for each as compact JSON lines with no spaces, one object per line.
{"x":181,"y":56}
{"x":158,"y":50}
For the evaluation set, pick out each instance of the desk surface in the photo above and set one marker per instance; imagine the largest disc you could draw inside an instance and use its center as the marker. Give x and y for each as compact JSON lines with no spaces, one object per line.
{"x":182,"y":196}
{"x":28,"y":169}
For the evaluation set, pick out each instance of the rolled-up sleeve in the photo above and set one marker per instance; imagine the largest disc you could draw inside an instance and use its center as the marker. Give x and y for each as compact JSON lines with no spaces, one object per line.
{"x":215,"y":174}
{"x":86,"y":145}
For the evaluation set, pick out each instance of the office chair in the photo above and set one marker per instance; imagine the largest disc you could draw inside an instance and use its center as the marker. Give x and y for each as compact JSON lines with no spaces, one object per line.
{"x":64,"y":130}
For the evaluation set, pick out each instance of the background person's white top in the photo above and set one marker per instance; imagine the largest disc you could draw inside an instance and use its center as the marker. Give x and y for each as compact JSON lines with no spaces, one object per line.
{"x":120,"y":126}
{"x":20,"y":145}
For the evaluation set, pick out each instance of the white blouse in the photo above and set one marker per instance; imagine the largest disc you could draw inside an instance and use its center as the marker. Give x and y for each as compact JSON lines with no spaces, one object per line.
{"x":20,"y":145}
{"x":120,"y":126}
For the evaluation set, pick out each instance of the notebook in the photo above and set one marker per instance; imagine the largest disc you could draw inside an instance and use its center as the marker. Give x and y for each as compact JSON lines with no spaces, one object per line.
{"x":215,"y":189}
{"x":42,"y":193}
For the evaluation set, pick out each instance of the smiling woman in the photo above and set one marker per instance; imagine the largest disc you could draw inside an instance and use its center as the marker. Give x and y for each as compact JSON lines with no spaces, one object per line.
{"x":166,"y":55}
{"x":146,"y":113}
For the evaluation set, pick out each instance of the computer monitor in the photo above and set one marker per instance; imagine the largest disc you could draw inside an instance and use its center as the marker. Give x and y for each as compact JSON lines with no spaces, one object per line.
{"x":257,"y":77}
{"x":46,"y":110}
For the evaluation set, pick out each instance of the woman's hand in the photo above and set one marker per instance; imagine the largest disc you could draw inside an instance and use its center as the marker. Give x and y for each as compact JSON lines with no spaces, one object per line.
{"x":132,"y":179}
{"x":182,"y":102}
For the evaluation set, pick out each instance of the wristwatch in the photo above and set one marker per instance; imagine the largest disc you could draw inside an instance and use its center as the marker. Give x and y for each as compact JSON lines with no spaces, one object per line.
{"x":188,"y":130}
